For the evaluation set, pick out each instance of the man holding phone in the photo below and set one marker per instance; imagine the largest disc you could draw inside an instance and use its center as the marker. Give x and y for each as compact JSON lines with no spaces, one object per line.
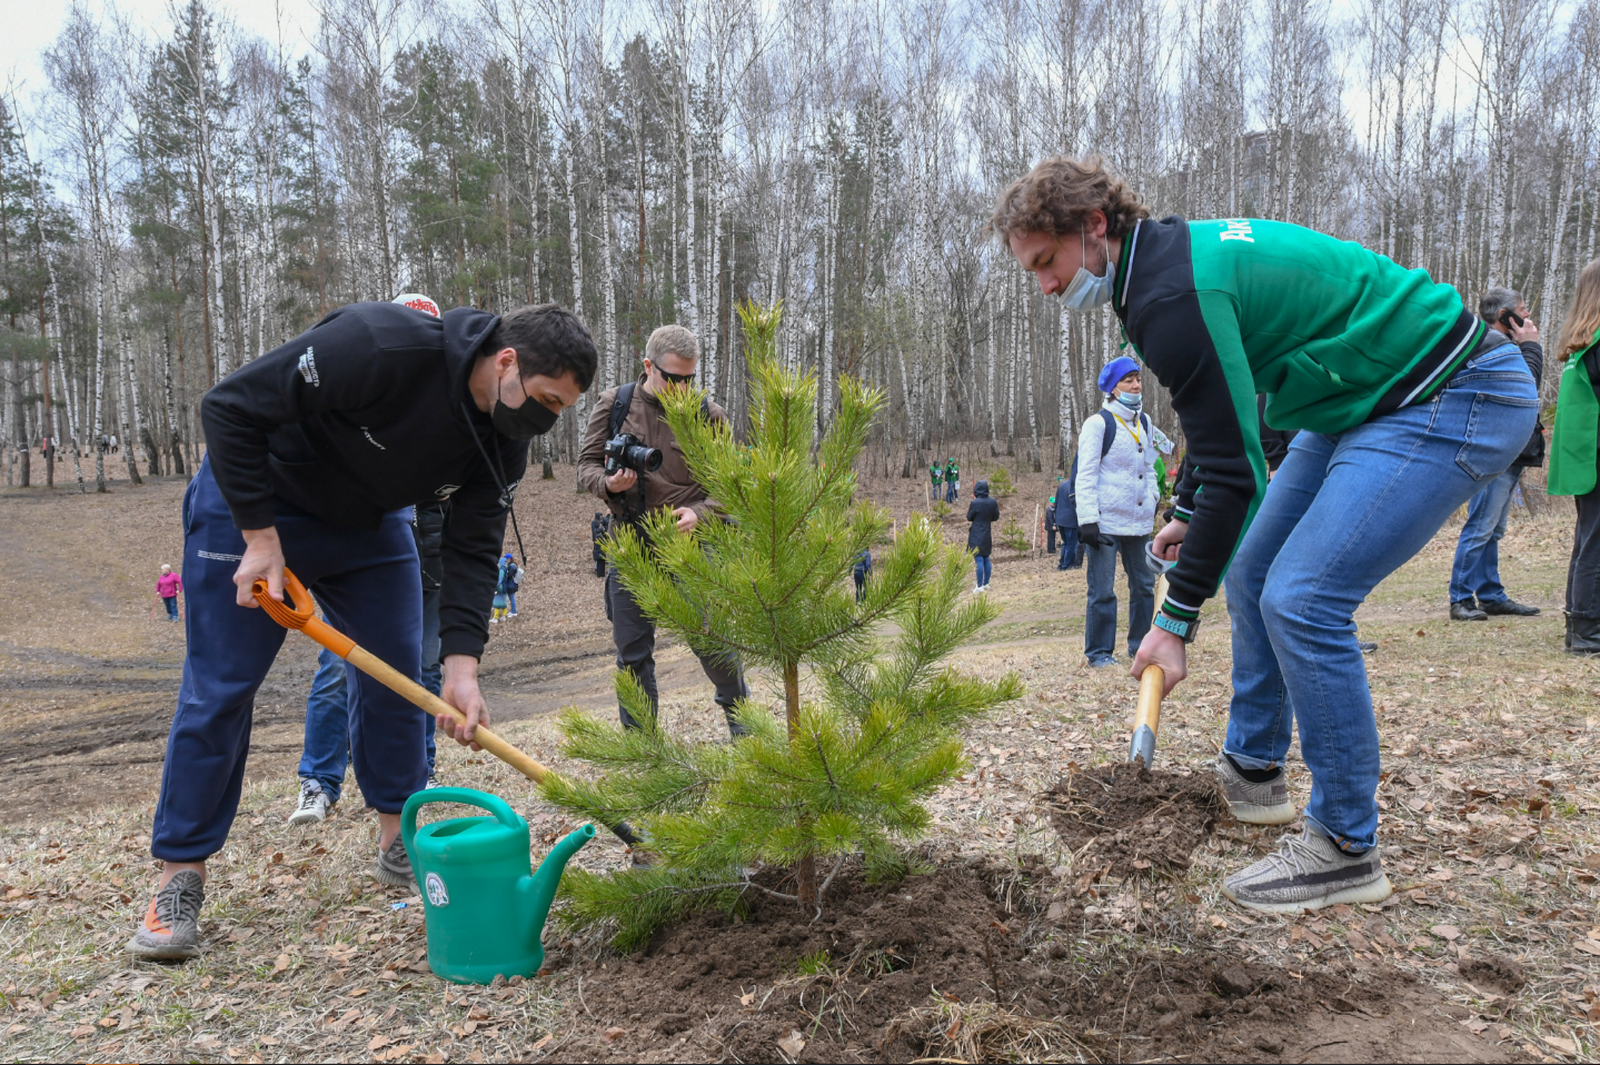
{"x":1476,"y":593}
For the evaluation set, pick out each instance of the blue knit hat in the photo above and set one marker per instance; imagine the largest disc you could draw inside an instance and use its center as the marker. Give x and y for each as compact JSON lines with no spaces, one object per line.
{"x":1116,"y":370}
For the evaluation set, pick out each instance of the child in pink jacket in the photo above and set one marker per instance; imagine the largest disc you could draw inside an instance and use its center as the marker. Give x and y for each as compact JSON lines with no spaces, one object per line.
{"x":168,"y":585}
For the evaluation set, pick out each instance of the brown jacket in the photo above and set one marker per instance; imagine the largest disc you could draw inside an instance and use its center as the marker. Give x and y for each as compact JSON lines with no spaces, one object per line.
{"x":672,"y":485}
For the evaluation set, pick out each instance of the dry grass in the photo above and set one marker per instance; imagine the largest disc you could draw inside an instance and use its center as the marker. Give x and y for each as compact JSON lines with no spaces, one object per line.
{"x":1490,"y":801}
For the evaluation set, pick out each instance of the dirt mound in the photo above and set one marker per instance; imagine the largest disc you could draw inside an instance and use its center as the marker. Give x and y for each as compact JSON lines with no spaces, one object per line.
{"x":1495,"y":973}
{"x":1133,"y":820}
{"x":952,"y":965}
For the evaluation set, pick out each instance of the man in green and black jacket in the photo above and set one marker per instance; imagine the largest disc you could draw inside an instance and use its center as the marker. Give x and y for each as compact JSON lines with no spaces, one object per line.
{"x":1404,"y":413}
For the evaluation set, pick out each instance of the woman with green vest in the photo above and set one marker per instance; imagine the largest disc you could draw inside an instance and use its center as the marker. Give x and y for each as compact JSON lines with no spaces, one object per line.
{"x":1575,"y":445}
{"x":1404,"y":414}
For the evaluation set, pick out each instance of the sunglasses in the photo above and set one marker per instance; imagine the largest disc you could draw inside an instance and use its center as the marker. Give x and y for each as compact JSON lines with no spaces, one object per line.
{"x":675,"y":378}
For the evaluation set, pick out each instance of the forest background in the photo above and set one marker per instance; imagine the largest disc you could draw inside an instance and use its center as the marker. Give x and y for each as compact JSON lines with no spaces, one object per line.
{"x":179,"y":195}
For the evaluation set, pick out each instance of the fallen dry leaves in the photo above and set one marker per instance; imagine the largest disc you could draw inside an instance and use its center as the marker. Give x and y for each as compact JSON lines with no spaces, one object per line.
{"x":1489,"y":801}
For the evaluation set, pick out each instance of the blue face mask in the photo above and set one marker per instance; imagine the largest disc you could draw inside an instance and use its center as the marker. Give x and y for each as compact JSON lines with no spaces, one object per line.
{"x":1132,"y":402}
{"x":1085,"y":290}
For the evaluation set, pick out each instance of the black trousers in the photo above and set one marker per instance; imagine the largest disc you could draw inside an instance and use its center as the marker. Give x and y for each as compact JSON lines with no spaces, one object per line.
{"x":635,"y":637}
{"x":1583,"y":575}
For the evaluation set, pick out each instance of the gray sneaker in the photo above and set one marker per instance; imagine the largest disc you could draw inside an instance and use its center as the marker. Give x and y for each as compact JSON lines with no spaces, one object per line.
{"x":1266,"y":803}
{"x":314,"y":803}
{"x":1308,"y":872}
{"x":170,"y":930}
{"x":393,"y":866}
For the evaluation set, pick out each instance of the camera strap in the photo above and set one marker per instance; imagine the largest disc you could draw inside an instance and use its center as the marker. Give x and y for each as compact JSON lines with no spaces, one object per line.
{"x":499,"y":479}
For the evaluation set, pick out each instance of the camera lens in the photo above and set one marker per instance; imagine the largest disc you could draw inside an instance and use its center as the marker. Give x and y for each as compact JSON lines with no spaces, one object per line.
{"x":643,"y":458}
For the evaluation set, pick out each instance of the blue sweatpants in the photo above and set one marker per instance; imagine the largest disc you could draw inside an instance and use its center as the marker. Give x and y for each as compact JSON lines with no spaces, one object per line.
{"x":366,"y":583}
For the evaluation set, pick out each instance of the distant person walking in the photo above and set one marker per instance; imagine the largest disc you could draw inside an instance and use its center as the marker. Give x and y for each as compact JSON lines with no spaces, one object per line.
{"x":510,"y":582}
{"x":861,"y":571}
{"x":952,"y":481}
{"x":1575,"y":454}
{"x":982,"y":512}
{"x":168,"y":585}
{"x":1066,"y":519}
{"x":1117,"y":492}
{"x":1050,"y":525}
{"x":1475,"y":589}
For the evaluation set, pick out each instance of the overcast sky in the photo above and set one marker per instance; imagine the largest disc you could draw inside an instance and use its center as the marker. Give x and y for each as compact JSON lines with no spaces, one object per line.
{"x":33,"y":25}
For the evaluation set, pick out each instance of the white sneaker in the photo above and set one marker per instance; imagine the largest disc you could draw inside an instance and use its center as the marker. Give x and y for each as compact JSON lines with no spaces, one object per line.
{"x":433,"y":780}
{"x":314,"y":804}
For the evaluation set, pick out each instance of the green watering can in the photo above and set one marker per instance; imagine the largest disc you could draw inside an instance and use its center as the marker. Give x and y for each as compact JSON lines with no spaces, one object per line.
{"x":485,"y":907}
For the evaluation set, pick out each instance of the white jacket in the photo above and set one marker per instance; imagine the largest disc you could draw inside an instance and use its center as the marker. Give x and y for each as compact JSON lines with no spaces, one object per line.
{"x":1119,"y":492}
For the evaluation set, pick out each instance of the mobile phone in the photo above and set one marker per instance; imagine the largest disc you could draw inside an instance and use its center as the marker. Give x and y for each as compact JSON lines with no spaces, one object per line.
{"x":1513,"y":322}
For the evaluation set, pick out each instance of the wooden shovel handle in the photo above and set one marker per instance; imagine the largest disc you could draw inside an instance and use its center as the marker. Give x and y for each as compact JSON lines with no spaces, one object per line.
{"x":1151,"y":684}
{"x":300,"y":613}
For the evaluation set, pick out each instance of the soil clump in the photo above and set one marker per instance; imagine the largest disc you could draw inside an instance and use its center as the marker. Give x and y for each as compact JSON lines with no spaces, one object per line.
{"x":955,"y":964}
{"x":1495,"y":973}
{"x":1124,"y":819}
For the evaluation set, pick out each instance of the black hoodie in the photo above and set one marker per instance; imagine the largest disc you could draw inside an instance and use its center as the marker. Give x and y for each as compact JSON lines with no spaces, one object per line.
{"x":366,"y":413}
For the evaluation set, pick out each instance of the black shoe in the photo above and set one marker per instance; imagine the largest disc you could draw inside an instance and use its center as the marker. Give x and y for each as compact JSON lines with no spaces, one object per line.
{"x":1583,"y":635}
{"x":1366,"y":647}
{"x":1466,"y":610}
{"x":1507,"y":608}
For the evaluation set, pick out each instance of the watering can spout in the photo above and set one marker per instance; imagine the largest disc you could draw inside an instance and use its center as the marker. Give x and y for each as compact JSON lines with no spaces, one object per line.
{"x":541,"y":887}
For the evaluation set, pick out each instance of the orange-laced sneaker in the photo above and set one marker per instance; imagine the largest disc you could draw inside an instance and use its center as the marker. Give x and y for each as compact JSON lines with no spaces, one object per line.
{"x":171,"y":926}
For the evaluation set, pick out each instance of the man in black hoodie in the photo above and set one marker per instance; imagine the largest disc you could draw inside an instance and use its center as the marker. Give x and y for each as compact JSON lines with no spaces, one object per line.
{"x":315,"y":454}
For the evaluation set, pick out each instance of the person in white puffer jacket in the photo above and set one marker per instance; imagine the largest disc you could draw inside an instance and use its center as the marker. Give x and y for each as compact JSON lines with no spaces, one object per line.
{"x":1117,"y":493}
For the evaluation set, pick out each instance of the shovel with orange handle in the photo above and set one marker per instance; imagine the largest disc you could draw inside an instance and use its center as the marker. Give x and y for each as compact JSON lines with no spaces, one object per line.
{"x":299,"y":614}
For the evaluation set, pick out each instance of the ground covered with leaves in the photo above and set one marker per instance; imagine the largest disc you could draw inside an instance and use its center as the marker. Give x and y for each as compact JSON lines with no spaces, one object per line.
{"x":1025,"y":931}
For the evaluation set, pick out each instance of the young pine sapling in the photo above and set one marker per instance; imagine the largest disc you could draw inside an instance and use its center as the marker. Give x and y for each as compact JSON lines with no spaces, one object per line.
{"x":867,"y":725}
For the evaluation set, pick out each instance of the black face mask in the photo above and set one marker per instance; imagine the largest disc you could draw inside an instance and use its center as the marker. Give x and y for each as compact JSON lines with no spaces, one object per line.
{"x":525,"y":422}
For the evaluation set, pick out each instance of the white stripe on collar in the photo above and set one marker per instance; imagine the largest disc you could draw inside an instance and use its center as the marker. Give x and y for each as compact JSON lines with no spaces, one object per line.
{"x":1133,"y":246}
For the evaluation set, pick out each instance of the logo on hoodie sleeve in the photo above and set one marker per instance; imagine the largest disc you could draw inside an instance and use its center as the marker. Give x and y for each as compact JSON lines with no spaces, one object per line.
{"x":308,"y":368}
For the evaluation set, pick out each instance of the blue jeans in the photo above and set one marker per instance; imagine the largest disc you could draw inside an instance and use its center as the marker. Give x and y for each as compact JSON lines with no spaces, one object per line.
{"x":1071,"y":550}
{"x":366,"y":582}
{"x":950,"y":492}
{"x":1476,"y":572}
{"x":1100,"y":616}
{"x":1343,"y":512}
{"x":326,"y":753}
{"x":172,"y":607}
{"x":984,"y":569}
{"x":511,"y":601}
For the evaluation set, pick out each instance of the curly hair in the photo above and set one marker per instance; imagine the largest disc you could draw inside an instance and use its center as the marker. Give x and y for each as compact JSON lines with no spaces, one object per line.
{"x":1058,"y":195}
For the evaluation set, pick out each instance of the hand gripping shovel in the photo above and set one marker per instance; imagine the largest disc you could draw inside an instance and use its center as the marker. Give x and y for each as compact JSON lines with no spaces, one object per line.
{"x":1147,"y":718}
{"x":300,"y":614}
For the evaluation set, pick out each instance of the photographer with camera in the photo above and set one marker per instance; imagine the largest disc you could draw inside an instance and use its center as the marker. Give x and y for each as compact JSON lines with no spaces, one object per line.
{"x":631,"y":460}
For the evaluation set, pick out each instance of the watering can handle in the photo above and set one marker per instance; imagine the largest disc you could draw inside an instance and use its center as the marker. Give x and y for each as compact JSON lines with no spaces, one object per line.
{"x":497,"y":806}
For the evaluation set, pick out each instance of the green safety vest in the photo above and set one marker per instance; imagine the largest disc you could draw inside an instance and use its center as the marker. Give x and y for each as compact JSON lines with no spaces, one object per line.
{"x":1575,"y":438}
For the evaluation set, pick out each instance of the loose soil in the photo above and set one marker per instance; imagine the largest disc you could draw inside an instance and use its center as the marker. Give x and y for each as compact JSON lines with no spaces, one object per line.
{"x":1123,"y":819}
{"x":856,"y":985}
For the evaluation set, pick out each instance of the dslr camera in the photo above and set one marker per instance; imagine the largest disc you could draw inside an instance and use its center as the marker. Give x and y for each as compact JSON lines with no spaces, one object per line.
{"x":625,"y":452}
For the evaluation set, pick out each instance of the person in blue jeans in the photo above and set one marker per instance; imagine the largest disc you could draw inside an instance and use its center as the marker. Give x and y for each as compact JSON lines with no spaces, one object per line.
{"x":1405,"y":410}
{"x":1117,"y":487}
{"x":982,"y":512}
{"x":1475,"y":589}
